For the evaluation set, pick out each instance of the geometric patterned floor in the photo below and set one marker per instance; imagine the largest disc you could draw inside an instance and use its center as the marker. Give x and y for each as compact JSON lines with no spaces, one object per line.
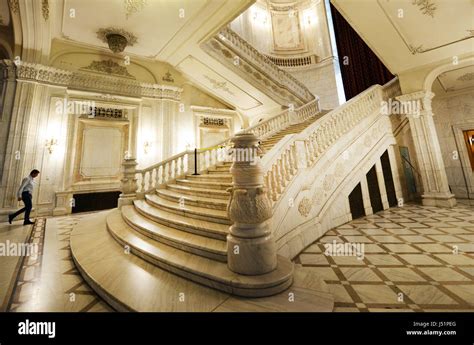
{"x":416,"y":258}
{"x":55,"y":284}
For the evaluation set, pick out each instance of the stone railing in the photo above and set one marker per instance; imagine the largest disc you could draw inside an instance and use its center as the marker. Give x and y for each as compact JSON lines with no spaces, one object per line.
{"x":296,"y":61}
{"x":318,"y":137}
{"x":89,"y":81}
{"x":168,"y":170}
{"x":284,"y":119}
{"x":143,"y":181}
{"x":262,"y":63}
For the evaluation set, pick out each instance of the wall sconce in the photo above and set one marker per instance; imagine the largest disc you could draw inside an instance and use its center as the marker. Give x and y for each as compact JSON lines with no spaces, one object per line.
{"x":51,"y":144}
{"x":471,"y":140}
{"x":146,"y":146}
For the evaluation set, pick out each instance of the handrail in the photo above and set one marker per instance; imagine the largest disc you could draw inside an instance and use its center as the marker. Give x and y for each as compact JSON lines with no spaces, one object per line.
{"x":170,"y":169}
{"x":320,"y":135}
{"x":228,"y":36}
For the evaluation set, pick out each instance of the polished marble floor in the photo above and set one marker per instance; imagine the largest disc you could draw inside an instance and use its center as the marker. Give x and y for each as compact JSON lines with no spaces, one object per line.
{"x":415,"y":258}
{"x":51,"y":283}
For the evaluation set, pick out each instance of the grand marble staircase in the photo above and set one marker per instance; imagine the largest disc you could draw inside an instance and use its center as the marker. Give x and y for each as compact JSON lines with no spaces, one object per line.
{"x":183,"y":228}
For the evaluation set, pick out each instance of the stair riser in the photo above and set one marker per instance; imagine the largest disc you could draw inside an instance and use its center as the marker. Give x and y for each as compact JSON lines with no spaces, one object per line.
{"x":199,"y":203}
{"x":179,"y":245}
{"x":220,"y":172}
{"x":204,"y":185}
{"x":207,"y":194}
{"x":192,"y":229}
{"x":197,"y":278}
{"x":224,"y":169}
{"x":190,"y":214}
{"x":209,"y":178}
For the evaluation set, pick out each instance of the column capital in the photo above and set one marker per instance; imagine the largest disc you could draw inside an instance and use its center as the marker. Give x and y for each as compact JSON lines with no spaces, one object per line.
{"x":423,"y":97}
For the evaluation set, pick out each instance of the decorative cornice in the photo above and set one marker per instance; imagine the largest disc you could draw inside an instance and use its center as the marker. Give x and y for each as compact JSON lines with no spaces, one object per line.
{"x":45,"y":9}
{"x":103,"y":32}
{"x":92,"y":82}
{"x":109,"y":67}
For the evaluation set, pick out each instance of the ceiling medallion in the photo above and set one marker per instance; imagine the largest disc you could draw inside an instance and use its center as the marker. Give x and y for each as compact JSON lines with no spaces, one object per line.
{"x":116,"y":39}
{"x":425,"y":6}
{"x":133,"y":6}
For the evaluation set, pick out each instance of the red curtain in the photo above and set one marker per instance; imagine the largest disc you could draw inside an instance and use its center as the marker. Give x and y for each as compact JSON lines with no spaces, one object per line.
{"x":364,"y":68}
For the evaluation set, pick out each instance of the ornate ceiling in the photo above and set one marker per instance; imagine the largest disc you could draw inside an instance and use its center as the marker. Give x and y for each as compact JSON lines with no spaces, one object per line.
{"x":461,"y":79}
{"x":155,"y":23}
{"x":409,"y":34}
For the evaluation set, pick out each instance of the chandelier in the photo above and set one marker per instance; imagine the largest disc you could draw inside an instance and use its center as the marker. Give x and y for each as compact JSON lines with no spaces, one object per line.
{"x":117,"y":39}
{"x":116,"y":42}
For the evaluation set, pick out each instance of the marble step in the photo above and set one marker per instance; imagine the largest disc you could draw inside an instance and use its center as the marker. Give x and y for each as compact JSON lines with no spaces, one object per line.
{"x":194,"y":200}
{"x":220,"y":169}
{"x":225,"y":178}
{"x":202,"y":192}
{"x":129,"y":283}
{"x":188,"y":242}
{"x":201,"y":270}
{"x":202,"y":213}
{"x":218,"y":172}
{"x":192,"y":225}
{"x":205,"y":184}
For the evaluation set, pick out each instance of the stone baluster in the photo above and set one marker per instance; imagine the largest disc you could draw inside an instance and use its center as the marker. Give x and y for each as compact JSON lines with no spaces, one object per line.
{"x":250,"y":243}
{"x":182,"y":167}
{"x":128,"y":182}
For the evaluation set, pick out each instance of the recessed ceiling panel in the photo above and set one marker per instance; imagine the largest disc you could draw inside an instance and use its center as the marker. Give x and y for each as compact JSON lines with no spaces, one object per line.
{"x":153,"y":22}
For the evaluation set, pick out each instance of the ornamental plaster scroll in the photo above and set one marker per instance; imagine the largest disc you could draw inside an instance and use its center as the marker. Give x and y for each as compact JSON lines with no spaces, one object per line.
{"x":109,"y":67}
{"x":83,"y":80}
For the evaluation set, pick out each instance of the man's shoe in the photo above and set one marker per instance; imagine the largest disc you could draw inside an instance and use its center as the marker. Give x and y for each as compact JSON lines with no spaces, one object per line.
{"x":10,"y":218}
{"x":28,"y":222}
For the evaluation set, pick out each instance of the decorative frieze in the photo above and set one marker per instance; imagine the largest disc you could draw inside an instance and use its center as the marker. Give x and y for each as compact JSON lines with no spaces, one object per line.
{"x":91,"y":82}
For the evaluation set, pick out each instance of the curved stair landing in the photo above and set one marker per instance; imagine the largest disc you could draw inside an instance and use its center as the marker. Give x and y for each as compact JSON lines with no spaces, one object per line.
{"x":129,"y":283}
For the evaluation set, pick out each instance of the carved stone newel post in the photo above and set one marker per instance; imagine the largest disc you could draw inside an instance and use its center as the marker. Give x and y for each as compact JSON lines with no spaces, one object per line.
{"x":129,"y":182}
{"x":250,"y":245}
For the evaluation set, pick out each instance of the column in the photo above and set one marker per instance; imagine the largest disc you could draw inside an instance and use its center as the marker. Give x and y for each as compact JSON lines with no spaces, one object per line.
{"x":396,"y":167}
{"x":366,"y":196}
{"x":428,"y":152}
{"x":381,"y":182}
{"x":250,"y":245}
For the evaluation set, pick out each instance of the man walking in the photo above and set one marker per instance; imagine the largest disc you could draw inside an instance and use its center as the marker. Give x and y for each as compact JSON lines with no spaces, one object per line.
{"x":25,"y":193}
